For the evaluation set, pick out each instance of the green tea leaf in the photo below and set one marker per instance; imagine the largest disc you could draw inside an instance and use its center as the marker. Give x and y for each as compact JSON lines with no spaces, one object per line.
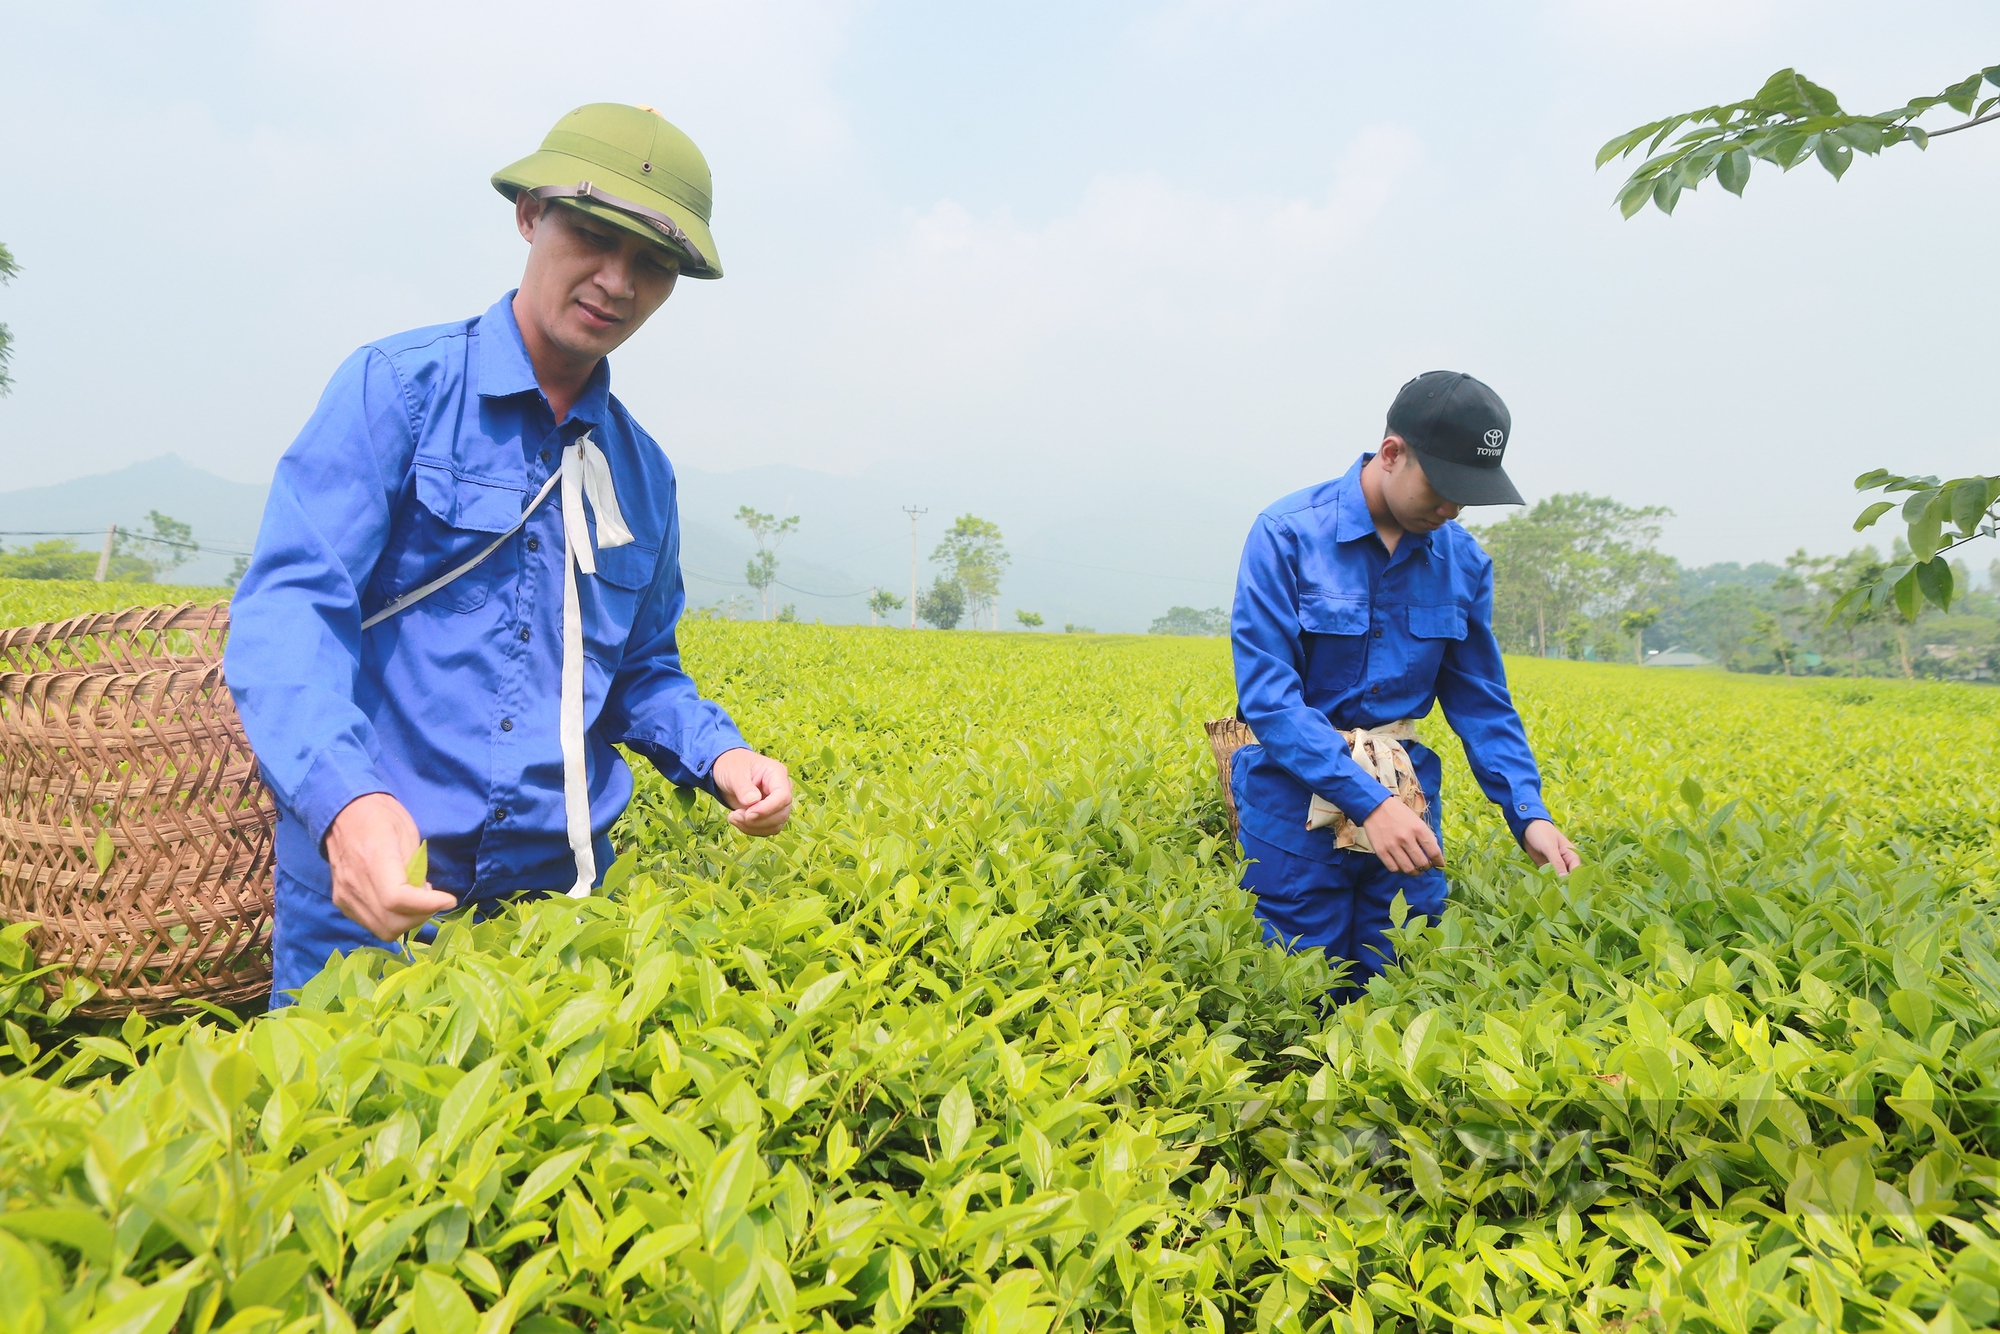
{"x":151,"y":1310}
{"x":550,"y":1176}
{"x":469,"y":1102}
{"x":1425,"y":1175}
{"x":726,"y":1189}
{"x":271,"y":1282}
{"x":620,"y":871}
{"x":440,"y":1306}
{"x":82,"y":1230}
{"x":955,"y":1121}
{"x":418,"y":870}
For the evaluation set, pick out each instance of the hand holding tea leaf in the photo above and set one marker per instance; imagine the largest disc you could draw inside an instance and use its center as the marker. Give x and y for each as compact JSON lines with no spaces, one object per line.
{"x":381,"y":867}
{"x":758,"y":790}
{"x":1402,"y":840}
{"x":1547,"y":846}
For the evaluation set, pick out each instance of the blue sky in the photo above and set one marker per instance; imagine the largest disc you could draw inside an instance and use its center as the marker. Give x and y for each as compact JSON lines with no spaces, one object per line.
{"x":1010,"y":255}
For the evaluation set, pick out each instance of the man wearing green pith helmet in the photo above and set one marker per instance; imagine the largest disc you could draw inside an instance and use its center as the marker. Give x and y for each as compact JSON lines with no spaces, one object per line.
{"x":467,"y":583}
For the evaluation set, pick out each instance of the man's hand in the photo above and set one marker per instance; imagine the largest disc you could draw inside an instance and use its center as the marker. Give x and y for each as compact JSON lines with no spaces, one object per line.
{"x":757,"y":788}
{"x":369,"y":845}
{"x":1546,"y":844}
{"x":1401,"y":839}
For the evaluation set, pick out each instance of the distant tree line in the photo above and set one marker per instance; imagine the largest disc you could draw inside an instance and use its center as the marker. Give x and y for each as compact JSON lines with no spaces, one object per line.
{"x":974,"y":559}
{"x":1579,"y":576}
{"x":1190,"y":621}
{"x":138,"y":558}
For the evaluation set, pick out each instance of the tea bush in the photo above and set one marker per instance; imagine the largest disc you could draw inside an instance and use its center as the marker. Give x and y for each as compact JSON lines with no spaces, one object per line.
{"x":989,"y":1041}
{"x":27,"y":601}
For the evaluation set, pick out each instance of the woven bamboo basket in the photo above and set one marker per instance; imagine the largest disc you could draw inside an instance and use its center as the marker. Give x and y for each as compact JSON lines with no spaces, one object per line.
{"x":134,"y":831}
{"x":1226,"y":736}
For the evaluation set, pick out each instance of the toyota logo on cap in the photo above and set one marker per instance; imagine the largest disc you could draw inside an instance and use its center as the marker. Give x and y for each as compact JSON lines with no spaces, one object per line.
{"x":1495,"y":436}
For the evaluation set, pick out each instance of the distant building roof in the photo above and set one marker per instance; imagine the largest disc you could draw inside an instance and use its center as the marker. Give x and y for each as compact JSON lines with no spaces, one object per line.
{"x":1674,"y":657}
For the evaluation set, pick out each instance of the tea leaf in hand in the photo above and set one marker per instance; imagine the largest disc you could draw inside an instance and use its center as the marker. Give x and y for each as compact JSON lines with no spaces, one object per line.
{"x":418,"y":870}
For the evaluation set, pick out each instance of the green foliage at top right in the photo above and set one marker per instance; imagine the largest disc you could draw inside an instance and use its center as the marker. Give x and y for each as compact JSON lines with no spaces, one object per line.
{"x":8,"y":268}
{"x":1790,"y":119}
{"x":1971,"y":505}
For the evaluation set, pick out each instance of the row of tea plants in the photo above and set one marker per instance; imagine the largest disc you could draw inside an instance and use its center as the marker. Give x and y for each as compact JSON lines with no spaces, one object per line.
{"x":989,"y":1041}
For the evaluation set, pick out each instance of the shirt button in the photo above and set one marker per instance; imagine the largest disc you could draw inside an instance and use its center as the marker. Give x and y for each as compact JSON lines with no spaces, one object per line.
{"x":1522,"y":807}
{"x":500,"y":814}
{"x":1374,"y":689}
{"x":525,"y":632}
{"x":506,"y":724}
{"x":545,"y":456}
{"x":534,"y":544}
{"x":1378,"y":634}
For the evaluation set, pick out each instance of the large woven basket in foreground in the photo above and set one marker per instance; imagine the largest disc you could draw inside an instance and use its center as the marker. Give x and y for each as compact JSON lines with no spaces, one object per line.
{"x":133,"y":829}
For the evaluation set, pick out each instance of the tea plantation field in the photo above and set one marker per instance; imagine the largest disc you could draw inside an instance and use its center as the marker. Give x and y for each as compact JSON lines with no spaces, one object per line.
{"x":988,"y":1041}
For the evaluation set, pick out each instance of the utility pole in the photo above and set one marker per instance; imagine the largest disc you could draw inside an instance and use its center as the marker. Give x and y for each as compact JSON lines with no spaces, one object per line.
{"x":104,"y":556}
{"x":914,"y":514}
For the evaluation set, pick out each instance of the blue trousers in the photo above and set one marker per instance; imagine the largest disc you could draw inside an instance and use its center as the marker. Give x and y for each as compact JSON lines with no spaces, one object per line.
{"x":1341,"y":906}
{"x":307,"y":930}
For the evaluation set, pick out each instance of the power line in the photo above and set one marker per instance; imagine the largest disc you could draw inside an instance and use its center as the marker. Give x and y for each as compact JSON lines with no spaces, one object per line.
{"x":739,"y":583}
{"x":93,"y":532}
{"x":1140,"y":574}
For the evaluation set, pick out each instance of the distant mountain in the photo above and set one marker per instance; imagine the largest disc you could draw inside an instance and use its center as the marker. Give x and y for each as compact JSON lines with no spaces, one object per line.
{"x":224,"y":514}
{"x":1111,"y":552}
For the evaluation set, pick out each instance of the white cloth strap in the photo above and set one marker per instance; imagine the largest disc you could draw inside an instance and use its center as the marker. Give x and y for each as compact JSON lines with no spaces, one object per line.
{"x":1379,"y":751}
{"x":584,"y":474}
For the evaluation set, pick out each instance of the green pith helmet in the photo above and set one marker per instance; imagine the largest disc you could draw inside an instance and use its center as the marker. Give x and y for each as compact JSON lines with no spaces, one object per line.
{"x":628,"y":166}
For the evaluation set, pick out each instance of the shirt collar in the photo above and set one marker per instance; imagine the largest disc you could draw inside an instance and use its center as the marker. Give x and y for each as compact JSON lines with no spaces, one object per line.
{"x":1352,"y":521}
{"x":504,"y":369}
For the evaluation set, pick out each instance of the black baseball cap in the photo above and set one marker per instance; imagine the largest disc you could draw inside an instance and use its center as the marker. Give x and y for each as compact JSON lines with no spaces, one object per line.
{"x":1458,"y":428}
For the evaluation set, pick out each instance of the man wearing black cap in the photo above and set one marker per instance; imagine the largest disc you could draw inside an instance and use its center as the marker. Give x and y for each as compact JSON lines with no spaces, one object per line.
{"x":1359,"y":603}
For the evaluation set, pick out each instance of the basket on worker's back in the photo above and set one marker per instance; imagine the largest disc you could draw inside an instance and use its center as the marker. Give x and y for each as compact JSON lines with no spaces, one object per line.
{"x":134,"y":831}
{"x":1226,"y":736}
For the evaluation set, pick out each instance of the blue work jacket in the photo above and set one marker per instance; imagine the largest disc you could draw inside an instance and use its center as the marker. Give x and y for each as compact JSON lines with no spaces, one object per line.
{"x":1332,"y":632}
{"x":424,"y":447}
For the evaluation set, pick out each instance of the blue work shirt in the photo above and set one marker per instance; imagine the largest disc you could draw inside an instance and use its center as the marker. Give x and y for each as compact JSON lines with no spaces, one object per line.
{"x":1332,"y":631}
{"x":424,"y":447}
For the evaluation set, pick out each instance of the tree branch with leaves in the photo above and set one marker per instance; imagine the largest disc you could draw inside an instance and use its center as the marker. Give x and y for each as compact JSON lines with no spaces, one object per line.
{"x":1790,"y":119}
{"x":8,"y":269}
{"x":1941,"y":517}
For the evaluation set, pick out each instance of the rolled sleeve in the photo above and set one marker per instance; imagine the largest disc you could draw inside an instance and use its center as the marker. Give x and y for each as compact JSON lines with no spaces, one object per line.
{"x":1270,"y":685}
{"x":653,"y":706}
{"x":1472,"y":689}
{"x":294,"y":654}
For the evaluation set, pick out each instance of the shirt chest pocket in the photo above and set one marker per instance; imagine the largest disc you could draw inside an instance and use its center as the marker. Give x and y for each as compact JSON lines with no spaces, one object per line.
{"x":1432,"y":631}
{"x":624,"y":574}
{"x":1335,"y":638}
{"x":453,"y":520}
{"x":1447,"y":622}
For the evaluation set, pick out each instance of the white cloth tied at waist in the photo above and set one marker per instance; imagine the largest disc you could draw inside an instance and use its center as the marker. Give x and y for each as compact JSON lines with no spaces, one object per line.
{"x":584,"y":474}
{"x":1379,"y":751}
